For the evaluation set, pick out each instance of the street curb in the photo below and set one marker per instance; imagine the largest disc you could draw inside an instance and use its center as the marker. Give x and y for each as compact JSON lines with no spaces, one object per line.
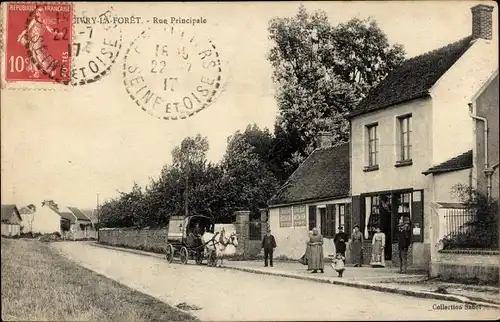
{"x":360,"y":285}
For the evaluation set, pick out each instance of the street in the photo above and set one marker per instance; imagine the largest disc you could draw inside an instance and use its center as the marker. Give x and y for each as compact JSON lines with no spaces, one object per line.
{"x":225,"y":294}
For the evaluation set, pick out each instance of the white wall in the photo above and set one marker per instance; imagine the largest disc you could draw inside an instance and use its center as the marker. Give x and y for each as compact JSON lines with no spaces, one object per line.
{"x":46,"y":221}
{"x":444,"y":183}
{"x":452,"y":125}
{"x":389,"y":177}
{"x":27,"y":222}
{"x":291,"y":241}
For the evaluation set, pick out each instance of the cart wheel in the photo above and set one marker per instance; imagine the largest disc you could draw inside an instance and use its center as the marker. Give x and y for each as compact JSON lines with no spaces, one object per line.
{"x":184,"y":255}
{"x":212,"y":258}
{"x":169,"y":253}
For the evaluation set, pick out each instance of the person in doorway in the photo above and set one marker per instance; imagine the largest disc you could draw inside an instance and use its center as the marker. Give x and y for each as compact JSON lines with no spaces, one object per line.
{"x":268,"y":244}
{"x":404,"y":242}
{"x":340,"y":241}
{"x":316,"y":260}
{"x":378,"y":244}
{"x":356,"y":247}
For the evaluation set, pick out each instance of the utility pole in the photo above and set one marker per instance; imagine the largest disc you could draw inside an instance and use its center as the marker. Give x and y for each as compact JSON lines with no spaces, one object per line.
{"x":186,"y":197}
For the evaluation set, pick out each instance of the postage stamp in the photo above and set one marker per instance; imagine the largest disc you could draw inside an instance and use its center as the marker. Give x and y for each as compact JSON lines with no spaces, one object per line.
{"x":96,"y":44}
{"x":38,"y":42}
{"x":171,"y":74}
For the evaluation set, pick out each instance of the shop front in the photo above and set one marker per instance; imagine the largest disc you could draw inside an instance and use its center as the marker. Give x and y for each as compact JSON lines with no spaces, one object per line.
{"x":384,"y":210}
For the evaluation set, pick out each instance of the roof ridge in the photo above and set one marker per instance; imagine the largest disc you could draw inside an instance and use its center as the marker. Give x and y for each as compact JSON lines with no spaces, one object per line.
{"x":433,"y":51}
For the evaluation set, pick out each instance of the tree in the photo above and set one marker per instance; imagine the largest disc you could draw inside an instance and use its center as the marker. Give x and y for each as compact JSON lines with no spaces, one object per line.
{"x":190,"y":156}
{"x":322,"y":72}
{"x":248,"y":181}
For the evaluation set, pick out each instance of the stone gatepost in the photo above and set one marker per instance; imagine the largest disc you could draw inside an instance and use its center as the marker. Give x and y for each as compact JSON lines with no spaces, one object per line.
{"x":242,"y":230}
{"x":264,"y":220}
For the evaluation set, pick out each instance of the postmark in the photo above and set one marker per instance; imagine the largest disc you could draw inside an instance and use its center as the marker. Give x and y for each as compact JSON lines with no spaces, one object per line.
{"x":38,"y":37}
{"x":96,"y":46}
{"x":172,"y":74}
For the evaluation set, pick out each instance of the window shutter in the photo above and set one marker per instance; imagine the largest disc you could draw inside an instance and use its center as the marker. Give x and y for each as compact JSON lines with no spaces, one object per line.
{"x":312,"y":217}
{"x":330,"y":215}
{"x":417,"y":216}
{"x":347,"y":220}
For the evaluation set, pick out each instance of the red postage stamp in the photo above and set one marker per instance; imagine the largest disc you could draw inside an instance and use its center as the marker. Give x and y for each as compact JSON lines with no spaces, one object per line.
{"x":39,"y":37}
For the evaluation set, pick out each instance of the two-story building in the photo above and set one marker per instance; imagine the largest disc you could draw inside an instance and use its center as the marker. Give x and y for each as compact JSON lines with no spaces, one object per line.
{"x":416,"y":122}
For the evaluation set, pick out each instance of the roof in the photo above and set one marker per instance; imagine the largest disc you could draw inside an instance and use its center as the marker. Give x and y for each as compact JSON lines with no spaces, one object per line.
{"x":8,"y":210}
{"x":79,"y":214}
{"x":324,"y":174}
{"x":463,"y":161}
{"x":413,"y":78}
{"x":25,"y":211}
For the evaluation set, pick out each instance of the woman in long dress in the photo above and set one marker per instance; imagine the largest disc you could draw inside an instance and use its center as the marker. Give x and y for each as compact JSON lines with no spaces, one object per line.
{"x":356,"y":247}
{"x":304,"y":260}
{"x":316,"y":258}
{"x":378,"y":244}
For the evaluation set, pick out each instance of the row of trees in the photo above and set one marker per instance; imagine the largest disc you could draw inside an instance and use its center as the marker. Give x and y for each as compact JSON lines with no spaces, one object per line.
{"x":322,"y":72}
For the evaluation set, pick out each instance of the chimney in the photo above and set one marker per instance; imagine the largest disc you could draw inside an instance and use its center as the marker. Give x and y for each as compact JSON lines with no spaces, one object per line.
{"x":482,"y":21}
{"x":325,"y":139}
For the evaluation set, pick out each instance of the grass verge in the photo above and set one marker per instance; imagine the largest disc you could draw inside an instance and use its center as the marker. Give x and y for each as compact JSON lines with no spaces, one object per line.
{"x":40,"y":285}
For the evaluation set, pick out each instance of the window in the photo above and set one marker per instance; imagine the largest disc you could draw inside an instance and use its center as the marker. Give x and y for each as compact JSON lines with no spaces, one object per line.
{"x":372,"y":145}
{"x":312,"y":217}
{"x":299,"y":216}
{"x":285,"y":215}
{"x":405,"y":138}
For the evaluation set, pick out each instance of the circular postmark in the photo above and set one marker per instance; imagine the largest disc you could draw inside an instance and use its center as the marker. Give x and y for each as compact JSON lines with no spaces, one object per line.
{"x":172,"y":75}
{"x":96,"y":46}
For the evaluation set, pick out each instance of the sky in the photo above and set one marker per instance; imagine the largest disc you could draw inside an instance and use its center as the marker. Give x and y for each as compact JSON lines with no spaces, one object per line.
{"x":69,"y":145}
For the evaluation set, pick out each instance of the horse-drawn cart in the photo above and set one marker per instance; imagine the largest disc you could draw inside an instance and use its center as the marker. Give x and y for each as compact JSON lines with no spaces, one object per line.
{"x":184,"y":239}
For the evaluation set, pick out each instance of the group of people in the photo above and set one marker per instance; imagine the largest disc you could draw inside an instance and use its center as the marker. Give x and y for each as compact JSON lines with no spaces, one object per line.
{"x":314,"y":257}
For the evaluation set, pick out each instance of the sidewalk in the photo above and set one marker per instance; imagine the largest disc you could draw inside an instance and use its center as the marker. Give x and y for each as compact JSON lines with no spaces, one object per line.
{"x":378,"y":279}
{"x":383,"y":279}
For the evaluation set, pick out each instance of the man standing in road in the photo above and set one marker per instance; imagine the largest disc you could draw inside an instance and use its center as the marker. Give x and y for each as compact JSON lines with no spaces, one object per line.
{"x":269,"y":244}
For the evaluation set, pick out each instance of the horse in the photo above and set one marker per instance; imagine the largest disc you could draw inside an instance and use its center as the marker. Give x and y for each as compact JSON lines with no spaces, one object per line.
{"x":218,"y":242}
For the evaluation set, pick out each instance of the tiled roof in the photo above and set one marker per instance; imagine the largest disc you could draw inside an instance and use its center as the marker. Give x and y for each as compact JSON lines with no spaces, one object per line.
{"x":414,"y":78}
{"x":79,"y":214}
{"x":8,"y":210}
{"x":324,"y":174}
{"x":463,"y":161}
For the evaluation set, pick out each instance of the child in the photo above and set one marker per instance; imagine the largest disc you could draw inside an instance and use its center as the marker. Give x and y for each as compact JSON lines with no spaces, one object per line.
{"x":338,"y":264}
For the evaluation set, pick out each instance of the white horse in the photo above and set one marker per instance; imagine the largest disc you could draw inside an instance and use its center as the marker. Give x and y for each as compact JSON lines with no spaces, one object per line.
{"x":218,"y":242}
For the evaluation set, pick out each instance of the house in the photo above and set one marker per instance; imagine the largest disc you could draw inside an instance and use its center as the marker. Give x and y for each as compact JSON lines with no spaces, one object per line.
{"x":416,"y":122}
{"x":11,"y":221}
{"x":315,"y":195}
{"x":68,"y":221}
{"x":27,"y":215}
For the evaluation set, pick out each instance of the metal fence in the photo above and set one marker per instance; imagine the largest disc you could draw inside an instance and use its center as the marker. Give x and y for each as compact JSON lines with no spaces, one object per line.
{"x":255,"y":230}
{"x":457,"y":220}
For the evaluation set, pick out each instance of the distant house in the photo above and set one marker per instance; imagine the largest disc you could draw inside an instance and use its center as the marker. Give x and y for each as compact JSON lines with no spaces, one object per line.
{"x":11,"y":221}
{"x":68,"y":221}
{"x":28,"y":215}
{"x":412,"y":141}
{"x":317,"y":194}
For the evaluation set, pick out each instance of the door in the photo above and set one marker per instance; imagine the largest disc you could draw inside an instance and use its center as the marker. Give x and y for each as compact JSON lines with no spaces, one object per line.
{"x":386,"y":218}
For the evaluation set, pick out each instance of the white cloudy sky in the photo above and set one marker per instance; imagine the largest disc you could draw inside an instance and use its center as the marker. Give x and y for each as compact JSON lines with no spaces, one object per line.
{"x":68,"y":146}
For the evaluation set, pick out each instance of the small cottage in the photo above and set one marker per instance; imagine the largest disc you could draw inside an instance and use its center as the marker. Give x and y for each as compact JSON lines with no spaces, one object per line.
{"x":11,"y":221}
{"x":315,"y":195}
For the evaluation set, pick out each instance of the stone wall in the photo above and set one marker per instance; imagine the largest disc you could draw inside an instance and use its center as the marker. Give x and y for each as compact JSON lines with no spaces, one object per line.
{"x":466,"y":265}
{"x":144,"y":239}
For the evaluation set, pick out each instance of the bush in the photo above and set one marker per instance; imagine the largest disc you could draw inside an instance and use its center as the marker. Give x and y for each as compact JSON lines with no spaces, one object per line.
{"x":482,"y":232}
{"x":50,"y":237}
